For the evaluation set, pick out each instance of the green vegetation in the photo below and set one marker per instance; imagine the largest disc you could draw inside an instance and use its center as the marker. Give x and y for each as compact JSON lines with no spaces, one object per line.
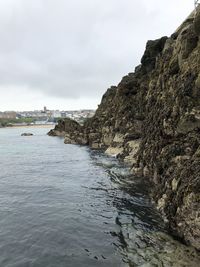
{"x":7,"y":122}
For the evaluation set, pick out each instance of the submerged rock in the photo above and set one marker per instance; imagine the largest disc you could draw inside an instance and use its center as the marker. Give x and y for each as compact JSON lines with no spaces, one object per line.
{"x":162,"y":251}
{"x":26,"y":134}
{"x":152,"y":121}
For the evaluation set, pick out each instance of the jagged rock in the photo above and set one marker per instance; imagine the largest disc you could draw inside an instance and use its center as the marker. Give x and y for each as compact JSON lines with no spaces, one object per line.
{"x":153,"y":48}
{"x":152,"y":120}
{"x":71,"y":130}
{"x":197,"y":22}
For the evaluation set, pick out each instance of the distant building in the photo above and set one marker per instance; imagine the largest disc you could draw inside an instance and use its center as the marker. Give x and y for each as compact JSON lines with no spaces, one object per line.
{"x":50,"y":116}
{"x":56,"y":114}
{"x":8,"y":115}
{"x":63,"y":114}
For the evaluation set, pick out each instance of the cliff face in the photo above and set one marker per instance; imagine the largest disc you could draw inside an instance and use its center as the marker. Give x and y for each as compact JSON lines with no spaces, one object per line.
{"x":152,"y":121}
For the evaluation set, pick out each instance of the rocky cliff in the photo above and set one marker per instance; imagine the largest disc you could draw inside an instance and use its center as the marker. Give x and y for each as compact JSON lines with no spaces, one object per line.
{"x":151,"y":120}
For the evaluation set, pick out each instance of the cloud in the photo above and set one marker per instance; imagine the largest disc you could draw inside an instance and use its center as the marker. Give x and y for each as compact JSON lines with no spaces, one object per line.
{"x":74,"y":48}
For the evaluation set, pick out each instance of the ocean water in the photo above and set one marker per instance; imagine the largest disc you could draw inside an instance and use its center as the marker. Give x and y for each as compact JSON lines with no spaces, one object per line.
{"x":70,"y":206}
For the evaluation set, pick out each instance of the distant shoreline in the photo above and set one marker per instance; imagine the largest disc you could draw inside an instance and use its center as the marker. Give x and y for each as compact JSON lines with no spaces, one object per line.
{"x":32,"y":126}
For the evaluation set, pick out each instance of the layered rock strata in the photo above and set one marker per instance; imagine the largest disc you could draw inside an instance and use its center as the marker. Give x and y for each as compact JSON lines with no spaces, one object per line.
{"x":151,"y":120}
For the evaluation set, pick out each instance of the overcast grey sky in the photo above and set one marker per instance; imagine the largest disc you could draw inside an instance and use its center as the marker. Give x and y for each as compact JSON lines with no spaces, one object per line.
{"x":65,"y":53}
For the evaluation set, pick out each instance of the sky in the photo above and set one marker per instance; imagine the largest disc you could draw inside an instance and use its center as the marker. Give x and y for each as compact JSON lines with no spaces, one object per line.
{"x":64,"y":54}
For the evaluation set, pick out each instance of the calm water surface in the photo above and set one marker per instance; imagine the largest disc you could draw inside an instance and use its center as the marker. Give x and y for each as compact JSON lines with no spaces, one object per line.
{"x":67,"y":206}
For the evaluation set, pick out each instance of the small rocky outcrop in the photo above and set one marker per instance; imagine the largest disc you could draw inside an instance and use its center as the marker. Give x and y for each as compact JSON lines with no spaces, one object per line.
{"x":71,"y":130}
{"x":26,"y":134}
{"x":151,"y":120}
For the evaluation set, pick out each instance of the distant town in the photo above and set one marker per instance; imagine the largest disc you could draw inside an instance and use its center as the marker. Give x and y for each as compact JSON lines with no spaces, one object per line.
{"x":42,"y":117}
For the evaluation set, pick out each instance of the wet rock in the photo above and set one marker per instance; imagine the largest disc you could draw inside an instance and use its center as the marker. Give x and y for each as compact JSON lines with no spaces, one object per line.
{"x":56,"y":133}
{"x":157,"y":249}
{"x":26,"y":134}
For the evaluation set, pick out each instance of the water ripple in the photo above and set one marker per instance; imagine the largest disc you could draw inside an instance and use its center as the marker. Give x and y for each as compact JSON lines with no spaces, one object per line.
{"x":64,"y":205}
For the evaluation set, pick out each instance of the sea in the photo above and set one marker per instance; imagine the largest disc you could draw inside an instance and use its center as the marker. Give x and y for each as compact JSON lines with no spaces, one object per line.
{"x":71,"y":206}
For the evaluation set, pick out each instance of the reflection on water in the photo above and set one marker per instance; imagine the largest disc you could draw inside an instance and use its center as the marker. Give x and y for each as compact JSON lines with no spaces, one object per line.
{"x":142,"y":235}
{"x":65,"y":205}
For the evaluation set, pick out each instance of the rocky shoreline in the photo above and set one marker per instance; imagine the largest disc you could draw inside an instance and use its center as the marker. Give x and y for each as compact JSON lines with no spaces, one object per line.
{"x":151,"y":120}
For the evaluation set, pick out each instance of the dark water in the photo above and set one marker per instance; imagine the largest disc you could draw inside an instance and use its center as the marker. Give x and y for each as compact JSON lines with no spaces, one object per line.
{"x":67,"y":206}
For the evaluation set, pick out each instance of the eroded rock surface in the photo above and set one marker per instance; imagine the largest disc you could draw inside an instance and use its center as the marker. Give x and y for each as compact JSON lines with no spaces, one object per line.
{"x":152,"y":121}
